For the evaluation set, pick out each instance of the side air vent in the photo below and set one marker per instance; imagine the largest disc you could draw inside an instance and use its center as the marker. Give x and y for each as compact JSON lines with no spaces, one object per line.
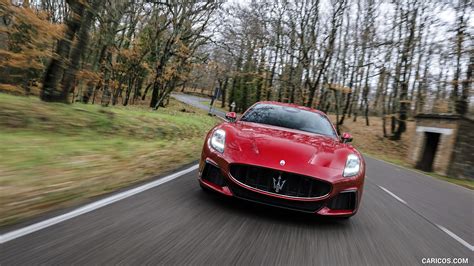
{"x":343,"y":201}
{"x":213,"y":174}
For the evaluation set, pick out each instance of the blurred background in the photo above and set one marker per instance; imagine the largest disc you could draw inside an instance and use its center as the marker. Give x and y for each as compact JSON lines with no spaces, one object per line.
{"x":91,"y":91}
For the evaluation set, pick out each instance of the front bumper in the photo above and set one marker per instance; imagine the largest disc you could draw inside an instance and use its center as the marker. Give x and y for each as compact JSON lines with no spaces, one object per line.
{"x":343,"y":200}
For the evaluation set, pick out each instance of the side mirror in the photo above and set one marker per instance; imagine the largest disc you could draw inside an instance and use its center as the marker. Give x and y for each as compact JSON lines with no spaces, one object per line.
{"x":346,"y":137}
{"x":231,"y":116}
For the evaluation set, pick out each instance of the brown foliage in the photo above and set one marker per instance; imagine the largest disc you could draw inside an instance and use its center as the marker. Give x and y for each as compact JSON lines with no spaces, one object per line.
{"x":26,"y":39}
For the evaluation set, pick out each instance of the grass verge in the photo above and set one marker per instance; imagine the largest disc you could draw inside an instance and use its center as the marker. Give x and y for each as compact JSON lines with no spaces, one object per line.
{"x":55,"y":155}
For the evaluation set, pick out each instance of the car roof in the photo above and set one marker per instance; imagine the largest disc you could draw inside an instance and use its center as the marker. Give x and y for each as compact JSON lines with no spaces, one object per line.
{"x":291,"y":105}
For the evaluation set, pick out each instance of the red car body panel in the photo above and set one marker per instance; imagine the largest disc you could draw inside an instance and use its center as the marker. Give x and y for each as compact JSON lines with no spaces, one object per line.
{"x":318,"y":156}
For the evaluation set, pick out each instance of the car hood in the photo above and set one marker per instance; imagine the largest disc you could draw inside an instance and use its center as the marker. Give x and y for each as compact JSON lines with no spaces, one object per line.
{"x":285,"y":149}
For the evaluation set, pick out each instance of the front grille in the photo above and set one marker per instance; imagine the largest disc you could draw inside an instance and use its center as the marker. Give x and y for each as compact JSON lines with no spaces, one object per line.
{"x":290,"y":184}
{"x":213,"y":174}
{"x":343,"y":201}
{"x":304,"y":206}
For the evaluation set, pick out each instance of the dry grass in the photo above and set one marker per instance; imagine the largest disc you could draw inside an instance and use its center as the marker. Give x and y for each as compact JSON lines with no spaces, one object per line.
{"x":16,"y":90}
{"x":55,"y":155}
{"x":370,"y":140}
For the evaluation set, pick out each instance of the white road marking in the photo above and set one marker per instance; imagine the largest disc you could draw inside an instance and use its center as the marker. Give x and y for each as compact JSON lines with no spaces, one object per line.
{"x":393,"y":195}
{"x":444,"y":229}
{"x":91,"y":207}
{"x":457,"y":238}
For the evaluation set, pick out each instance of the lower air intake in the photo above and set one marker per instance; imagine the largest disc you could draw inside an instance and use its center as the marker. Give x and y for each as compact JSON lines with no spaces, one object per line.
{"x":213,"y":174}
{"x":343,"y":201}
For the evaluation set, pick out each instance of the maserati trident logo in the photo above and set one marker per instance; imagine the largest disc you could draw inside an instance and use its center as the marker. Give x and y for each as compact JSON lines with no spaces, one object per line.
{"x":282,"y":162}
{"x":278,"y":185}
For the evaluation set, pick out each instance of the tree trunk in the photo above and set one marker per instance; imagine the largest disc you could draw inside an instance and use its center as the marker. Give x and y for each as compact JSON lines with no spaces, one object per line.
{"x":459,"y":103}
{"x":80,"y":47}
{"x":404,"y":84}
{"x":51,"y":91}
{"x":92,"y":88}
{"x":224,"y":92}
{"x":146,"y":91}
{"x":462,"y":105}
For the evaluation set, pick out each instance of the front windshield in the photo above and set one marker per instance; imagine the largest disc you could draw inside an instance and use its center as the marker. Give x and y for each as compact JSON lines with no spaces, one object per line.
{"x":289,"y":117}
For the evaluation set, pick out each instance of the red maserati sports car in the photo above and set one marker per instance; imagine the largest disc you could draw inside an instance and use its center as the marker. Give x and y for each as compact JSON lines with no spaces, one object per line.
{"x":286,"y":156}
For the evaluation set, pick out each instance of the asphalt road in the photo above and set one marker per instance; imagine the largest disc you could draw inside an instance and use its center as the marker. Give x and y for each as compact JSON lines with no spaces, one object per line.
{"x":405,"y":216}
{"x":197,"y":102}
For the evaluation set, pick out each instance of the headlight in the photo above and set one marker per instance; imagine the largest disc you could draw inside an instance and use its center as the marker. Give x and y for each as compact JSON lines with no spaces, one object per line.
{"x":352,"y":166}
{"x":218,"y":140}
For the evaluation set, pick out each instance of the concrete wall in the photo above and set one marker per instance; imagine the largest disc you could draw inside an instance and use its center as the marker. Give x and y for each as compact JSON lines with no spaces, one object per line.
{"x":462,"y":164}
{"x":448,"y":128}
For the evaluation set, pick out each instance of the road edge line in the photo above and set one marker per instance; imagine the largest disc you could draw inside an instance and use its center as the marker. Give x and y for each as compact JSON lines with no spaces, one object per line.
{"x":456,"y":237}
{"x":393,"y":195}
{"x":91,"y":206}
